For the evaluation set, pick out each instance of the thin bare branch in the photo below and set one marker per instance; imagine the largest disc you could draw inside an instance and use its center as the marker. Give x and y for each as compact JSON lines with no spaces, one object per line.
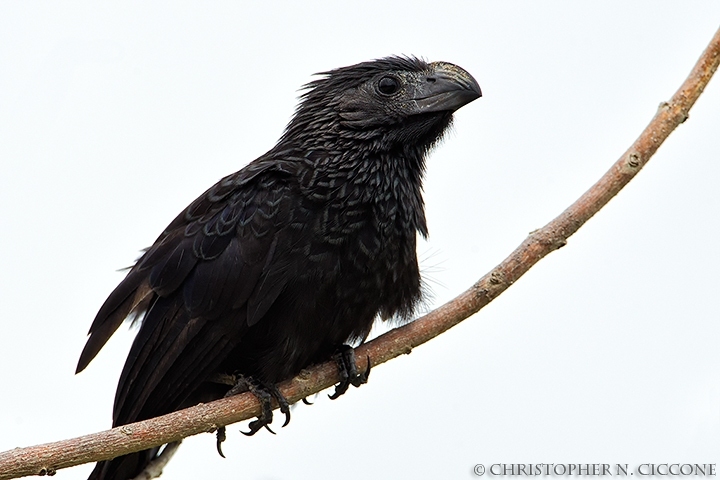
{"x":46,"y":459}
{"x":155,"y":468}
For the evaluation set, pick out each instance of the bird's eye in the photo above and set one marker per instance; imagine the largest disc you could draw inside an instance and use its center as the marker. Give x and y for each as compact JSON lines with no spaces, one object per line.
{"x":388,"y":85}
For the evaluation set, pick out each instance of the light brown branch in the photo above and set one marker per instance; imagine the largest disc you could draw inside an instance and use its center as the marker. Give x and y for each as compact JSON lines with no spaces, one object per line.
{"x":155,"y":468}
{"x":46,"y":459}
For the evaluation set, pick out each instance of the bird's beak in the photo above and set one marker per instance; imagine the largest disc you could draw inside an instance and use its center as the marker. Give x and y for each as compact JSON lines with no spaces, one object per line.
{"x":445,"y":89}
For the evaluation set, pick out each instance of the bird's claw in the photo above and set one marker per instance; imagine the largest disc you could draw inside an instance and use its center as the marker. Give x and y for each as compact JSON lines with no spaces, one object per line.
{"x":220,"y":435}
{"x":349,"y":374}
{"x":265,"y":393}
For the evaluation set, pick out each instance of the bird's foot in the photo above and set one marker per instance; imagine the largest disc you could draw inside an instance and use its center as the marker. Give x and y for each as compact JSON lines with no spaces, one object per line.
{"x":265,"y":393}
{"x":349,"y":374}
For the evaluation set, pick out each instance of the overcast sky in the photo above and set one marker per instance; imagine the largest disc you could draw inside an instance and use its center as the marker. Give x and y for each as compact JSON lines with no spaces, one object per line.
{"x":114,"y":116}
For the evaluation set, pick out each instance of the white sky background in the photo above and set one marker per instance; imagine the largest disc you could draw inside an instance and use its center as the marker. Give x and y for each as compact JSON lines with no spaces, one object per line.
{"x":114,"y":117}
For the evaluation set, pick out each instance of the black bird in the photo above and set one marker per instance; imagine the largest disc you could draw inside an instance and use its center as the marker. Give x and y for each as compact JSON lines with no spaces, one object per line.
{"x":283,"y":263}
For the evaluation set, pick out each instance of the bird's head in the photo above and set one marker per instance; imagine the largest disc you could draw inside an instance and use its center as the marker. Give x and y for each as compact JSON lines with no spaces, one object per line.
{"x":383,"y":104}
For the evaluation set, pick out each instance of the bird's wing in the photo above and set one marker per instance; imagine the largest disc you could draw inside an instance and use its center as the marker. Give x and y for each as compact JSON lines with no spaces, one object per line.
{"x":213,"y":272}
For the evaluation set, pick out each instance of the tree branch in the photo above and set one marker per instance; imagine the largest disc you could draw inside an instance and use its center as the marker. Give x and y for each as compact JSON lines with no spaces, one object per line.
{"x":46,"y":459}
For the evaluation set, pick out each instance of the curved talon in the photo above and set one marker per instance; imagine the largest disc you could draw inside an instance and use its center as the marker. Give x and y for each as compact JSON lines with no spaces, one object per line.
{"x":253,"y":429}
{"x":257,"y":424}
{"x":340,"y":389}
{"x":282,"y":404}
{"x":287,"y":419}
{"x":220,"y":435}
{"x":306,"y":401}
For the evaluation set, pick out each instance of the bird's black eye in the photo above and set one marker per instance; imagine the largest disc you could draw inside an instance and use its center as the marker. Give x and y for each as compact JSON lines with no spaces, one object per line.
{"x":388,"y":85}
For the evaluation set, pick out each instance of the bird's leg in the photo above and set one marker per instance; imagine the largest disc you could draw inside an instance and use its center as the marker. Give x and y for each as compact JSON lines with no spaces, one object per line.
{"x":238,"y":385}
{"x":349,"y":375}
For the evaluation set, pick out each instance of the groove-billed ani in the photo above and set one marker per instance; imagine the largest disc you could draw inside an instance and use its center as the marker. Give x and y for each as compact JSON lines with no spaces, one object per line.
{"x":279,"y":265}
